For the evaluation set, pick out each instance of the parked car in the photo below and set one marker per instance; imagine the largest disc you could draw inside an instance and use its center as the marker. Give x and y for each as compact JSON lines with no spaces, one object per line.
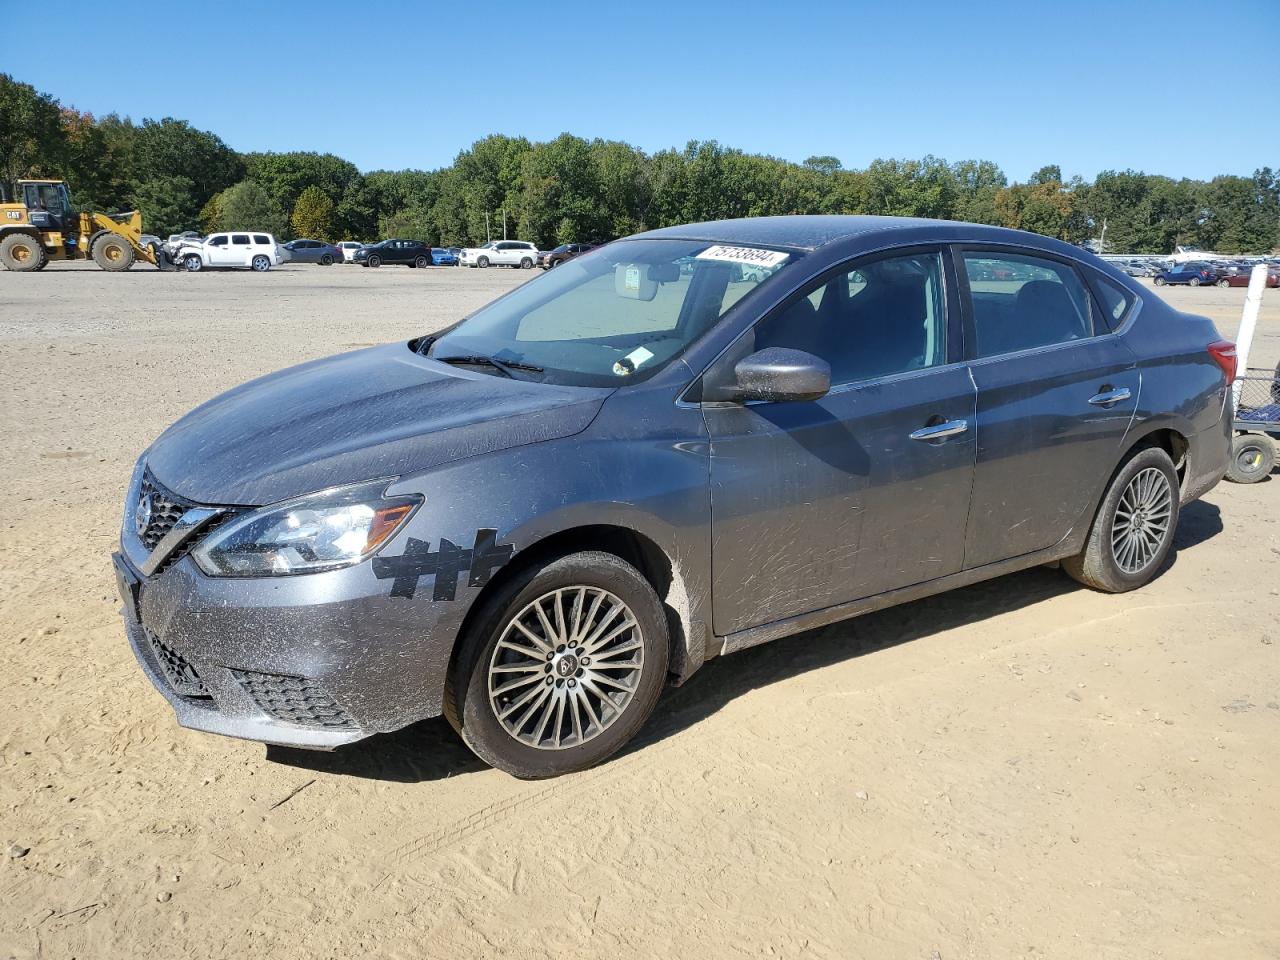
{"x":443,"y":257}
{"x":256,"y":251}
{"x":566,"y":251}
{"x":313,"y":251}
{"x":408,"y":253}
{"x":501,"y":253}
{"x":349,"y":546}
{"x":349,"y":248}
{"x":1193,"y":273}
{"x":457,"y":252}
{"x":1242,"y":279}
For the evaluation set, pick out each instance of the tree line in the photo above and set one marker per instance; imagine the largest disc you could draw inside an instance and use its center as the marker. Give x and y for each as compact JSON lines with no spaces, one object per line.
{"x":571,"y":188}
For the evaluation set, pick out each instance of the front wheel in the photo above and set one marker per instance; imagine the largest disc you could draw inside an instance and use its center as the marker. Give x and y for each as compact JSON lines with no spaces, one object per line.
{"x":561,"y":668}
{"x":1253,"y":455}
{"x":1159,"y":281}
{"x":1132,"y":532}
{"x":374,"y":262}
{"x":260,"y":263}
{"x":1224,"y":282}
{"x":192,"y":263}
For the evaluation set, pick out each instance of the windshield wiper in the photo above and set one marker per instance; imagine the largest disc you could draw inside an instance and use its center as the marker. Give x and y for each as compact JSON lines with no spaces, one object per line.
{"x":505,"y":366}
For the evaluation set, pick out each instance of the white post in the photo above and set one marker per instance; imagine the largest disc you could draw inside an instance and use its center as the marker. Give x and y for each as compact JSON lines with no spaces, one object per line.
{"x":1248,"y":322}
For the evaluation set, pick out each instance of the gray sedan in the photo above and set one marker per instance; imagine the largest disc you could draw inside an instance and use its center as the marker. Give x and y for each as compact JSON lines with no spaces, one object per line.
{"x":672,"y":448}
{"x":313,"y":251}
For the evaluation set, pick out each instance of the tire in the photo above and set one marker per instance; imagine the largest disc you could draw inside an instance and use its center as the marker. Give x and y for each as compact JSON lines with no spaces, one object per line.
{"x":1159,"y":281}
{"x":420,"y":263}
{"x":326,"y":261}
{"x":192,"y":263}
{"x":260,"y":264}
{"x":530,"y":742}
{"x":482,"y":261}
{"x":373,"y":261}
{"x":1224,"y":283}
{"x":1253,"y":456}
{"x":526,"y":263}
{"x":1146,"y":487}
{"x":1194,"y":282}
{"x":112,"y":252}
{"x":22,"y":253}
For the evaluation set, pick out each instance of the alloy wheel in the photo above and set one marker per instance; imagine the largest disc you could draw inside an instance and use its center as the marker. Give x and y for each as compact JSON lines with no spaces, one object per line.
{"x":565,"y":667}
{"x":1141,"y":523}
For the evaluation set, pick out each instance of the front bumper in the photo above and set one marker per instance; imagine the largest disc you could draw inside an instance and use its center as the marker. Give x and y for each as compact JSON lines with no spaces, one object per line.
{"x":314,"y":661}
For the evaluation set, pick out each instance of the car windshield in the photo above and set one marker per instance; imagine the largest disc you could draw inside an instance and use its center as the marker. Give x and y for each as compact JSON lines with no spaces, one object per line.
{"x":616,"y":315}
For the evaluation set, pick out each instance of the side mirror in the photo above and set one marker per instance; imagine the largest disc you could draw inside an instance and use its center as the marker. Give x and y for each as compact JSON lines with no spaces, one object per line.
{"x":780,"y":374}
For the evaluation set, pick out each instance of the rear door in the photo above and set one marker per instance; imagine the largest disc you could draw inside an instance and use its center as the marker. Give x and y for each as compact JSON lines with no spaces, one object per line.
{"x":1056,"y":394}
{"x":867,"y":489}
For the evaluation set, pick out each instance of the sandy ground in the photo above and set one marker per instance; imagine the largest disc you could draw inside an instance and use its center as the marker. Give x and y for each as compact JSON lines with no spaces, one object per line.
{"x":1041,"y":771}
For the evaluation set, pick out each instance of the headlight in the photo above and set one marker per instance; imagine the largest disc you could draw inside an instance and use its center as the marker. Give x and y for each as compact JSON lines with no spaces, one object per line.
{"x":323,"y":531}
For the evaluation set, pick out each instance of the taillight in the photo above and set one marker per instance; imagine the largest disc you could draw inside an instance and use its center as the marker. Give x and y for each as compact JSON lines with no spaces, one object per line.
{"x":1224,"y":355}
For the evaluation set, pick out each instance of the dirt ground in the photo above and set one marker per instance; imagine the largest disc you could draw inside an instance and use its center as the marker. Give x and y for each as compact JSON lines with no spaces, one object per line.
{"x":1041,"y":771}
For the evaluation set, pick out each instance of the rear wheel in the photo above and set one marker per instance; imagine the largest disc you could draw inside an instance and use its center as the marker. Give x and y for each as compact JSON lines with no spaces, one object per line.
{"x":1132,"y":532}
{"x":1253,"y":455}
{"x":1194,"y":281}
{"x":326,"y":261}
{"x":482,"y":261}
{"x":420,"y":262}
{"x":526,"y":263}
{"x":112,"y":252}
{"x":260,"y":264}
{"x":562,"y":667}
{"x":21,"y":252}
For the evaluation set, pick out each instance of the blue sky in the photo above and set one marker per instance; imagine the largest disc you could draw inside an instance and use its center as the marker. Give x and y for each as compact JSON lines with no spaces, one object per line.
{"x":1159,"y":86}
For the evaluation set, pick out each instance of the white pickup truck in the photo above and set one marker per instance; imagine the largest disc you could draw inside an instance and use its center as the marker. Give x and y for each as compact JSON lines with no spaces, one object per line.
{"x":506,"y":253}
{"x":256,"y":251}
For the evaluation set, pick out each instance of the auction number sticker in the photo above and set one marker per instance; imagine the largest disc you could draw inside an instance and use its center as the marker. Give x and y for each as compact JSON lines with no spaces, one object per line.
{"x":748,"y":255}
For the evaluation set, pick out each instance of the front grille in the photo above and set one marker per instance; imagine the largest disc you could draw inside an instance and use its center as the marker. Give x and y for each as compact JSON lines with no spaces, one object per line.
{"x":295,"y":700}
{"x":182,"y":676}
{"x":161,"y":508}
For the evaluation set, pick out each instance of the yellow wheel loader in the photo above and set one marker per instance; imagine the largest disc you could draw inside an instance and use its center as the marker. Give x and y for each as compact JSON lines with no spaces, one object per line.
{"x":38,"y":224}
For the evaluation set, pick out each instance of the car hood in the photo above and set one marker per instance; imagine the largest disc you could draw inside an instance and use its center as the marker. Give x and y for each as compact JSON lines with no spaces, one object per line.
{"x":381,"y":412}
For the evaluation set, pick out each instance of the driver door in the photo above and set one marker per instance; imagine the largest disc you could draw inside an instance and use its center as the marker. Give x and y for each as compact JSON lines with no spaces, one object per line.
{"x":818,"y":503}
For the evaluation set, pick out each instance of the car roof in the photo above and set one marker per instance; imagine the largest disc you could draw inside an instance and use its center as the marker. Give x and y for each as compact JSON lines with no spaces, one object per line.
{"x":809,"y":233}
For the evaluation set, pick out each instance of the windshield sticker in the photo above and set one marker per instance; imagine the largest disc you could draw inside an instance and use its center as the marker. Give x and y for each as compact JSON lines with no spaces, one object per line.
{"x":628,"y":364}
{"x":752,"y":255}
{"x":631,"y":279}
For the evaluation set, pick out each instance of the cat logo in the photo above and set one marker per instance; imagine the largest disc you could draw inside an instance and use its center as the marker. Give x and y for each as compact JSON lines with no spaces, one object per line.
{"x":14,"y":214}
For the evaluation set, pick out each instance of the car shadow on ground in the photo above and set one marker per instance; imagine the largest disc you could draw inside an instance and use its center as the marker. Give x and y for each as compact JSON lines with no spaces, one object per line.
{"x":430,"y":750}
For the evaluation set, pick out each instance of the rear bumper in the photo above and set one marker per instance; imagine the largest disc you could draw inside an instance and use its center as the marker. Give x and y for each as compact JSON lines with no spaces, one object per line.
{"x":1208,"y":454}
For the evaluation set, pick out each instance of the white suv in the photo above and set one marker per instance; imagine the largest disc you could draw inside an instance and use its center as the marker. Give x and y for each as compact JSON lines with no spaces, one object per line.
{"x":257,"y":251}
{"x":349,"y":248}
{"x":509,"y":253}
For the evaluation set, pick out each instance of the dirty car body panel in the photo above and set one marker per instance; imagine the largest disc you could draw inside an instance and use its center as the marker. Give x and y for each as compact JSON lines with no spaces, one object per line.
{"x":750,"y":520}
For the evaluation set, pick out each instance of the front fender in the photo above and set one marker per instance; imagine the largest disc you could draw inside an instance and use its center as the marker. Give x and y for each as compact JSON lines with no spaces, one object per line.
{"x":647,"y":475}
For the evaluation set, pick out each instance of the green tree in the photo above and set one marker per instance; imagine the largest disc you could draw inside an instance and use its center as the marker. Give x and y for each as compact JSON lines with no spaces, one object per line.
{"x":313,"y":214}
{"x":247,"y":206}
{"x":32,"y":139}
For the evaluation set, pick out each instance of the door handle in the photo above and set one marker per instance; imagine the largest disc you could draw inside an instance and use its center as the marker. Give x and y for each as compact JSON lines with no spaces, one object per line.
{"x":1109,"y":398}
{"x":940,"y":431}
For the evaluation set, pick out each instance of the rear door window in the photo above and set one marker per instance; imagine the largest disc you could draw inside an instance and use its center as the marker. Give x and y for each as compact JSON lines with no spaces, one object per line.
{"x":265,"y":240}
{"x":1021,"y":302}
{"x":1113,"y":299}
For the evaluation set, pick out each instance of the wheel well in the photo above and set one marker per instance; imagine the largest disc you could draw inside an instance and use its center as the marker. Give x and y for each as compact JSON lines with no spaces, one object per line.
{"x":25,"y":230}
{"x":1171,"y":442}
{"x":626,"y":544}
